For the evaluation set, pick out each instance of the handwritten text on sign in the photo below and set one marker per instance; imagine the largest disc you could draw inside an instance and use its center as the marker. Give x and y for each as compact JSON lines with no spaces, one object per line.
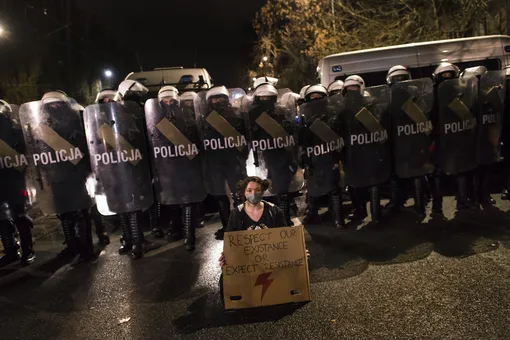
{"x":265,"y":266}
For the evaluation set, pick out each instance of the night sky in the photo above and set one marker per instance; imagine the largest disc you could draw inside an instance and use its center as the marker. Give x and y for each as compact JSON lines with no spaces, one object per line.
{"x":167,"y":33}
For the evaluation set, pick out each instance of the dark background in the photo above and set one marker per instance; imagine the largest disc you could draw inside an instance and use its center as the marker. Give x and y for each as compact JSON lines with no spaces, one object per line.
{"x":64,"y":44}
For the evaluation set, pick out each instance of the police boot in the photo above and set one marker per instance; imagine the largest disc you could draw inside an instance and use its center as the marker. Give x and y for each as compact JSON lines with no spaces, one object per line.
{"x":462,"y":193}
{"x":375,"y":204}
{"x":284,"y":203}
{"x":419,"y":196}
{"x":176,"y":227}
{"x":337,"y":209}
{"x":189,"y":228}
{"x":138,"y":249}
{"x":68,"y":222}
{"x":359,"y":205}
{"x":157,"y":231}
{"x":437,"y":196}
{"x":100,"y":224}
{"x":126,"y":240}
{"x":224,"y":212}
{"x":395,"y":204}
{"x":85,"y":236}
{"x":485,"y":189}
{"x":9,"y":243}
{"x":25,"y":224}
{"x":312,"y":211}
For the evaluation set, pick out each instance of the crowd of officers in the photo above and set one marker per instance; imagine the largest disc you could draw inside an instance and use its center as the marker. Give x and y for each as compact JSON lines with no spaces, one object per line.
{"x":155,"y":162}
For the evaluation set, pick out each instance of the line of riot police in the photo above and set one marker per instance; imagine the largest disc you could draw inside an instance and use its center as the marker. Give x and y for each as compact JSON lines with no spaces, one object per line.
{"x":136,"y":160}
{"x":409,"y":131}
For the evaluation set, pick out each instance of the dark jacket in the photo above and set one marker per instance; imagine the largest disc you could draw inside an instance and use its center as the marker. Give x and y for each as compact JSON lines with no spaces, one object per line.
{"x":235,"y":222}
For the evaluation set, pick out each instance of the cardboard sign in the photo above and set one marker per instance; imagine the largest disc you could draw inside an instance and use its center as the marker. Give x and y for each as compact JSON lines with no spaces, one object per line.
{"x":265,"y":267}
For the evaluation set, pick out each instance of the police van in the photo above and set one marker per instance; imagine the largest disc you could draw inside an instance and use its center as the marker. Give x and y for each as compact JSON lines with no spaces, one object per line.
{"x":184,"y":79}
{"x":492,"y":51}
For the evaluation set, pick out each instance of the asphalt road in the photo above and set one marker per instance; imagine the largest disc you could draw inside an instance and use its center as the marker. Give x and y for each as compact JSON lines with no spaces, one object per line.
{"x":398,"y":280}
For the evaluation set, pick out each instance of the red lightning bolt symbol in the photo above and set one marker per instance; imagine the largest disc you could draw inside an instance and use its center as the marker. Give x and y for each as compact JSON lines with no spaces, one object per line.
{"x":264,"y":281}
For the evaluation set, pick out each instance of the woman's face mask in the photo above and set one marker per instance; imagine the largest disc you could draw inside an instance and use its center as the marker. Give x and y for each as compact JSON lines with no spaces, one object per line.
{"x":253,"y":193}
{"x":254,"y":198}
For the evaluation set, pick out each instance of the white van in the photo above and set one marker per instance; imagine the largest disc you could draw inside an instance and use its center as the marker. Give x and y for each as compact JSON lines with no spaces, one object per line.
{"x":184,"y":79}
{"x":492,"y":52}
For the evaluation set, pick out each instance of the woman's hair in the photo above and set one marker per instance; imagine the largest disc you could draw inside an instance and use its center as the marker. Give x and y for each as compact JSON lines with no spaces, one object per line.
{"x":241,"y":185}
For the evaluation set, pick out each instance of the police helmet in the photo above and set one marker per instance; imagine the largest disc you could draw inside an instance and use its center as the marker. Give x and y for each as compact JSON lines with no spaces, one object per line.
{"x":354,"y":80}
{"x":397,"y":73}
{"x":445,"y":71}
{"x":315,"y":89}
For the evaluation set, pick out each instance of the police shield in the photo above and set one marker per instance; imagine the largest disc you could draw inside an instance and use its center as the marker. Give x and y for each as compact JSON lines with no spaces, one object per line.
{"x":119,"y":156}
{"x":490,"y":122}
{"x":321,"y":145}
{"x":224,"y":145}
{"x":411,"y":127}
{"x":366,"y":124}
{"x":457,"y":125}
{"x":272,"y":135}
{"x":13,"y":161}
{"x":57,"y":148}
{"x":174,"y":144}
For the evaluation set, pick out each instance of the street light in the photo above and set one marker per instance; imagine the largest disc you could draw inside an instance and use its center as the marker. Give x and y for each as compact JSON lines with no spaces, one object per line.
{"x":2,"y":31}
{"x":265,"y":58}
{"x":108,"y":73}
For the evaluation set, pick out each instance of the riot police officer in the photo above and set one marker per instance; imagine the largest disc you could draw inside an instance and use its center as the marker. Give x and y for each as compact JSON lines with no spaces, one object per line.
{"x":367,"y":153}
{"x":321,"y":145}
{"x":13,"y":193}
{"x":105,"y":96}
{"x":224,"y":147}
{"x":173,"y":136}
{"x":455,"y":132}
{"x":54,"y":134}
{"x":411,"y":127}
{"x":116,"y":140}
{"x":271,"y":130}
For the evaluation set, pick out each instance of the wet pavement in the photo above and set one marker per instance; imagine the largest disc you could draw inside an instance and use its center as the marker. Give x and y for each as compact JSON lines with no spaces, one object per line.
{"x":403,"y":279}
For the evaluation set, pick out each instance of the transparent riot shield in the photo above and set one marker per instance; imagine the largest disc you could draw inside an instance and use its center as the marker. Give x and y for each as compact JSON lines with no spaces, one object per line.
{"x":13,"y":161}
{"x":457,"y":116}
{"x":411,"y":127}
{"x":175,"y":150}
{"x":119,"y":155}
{"x":272,"y":131}
{"x":224,"y":145}
{"x":57,"y":149}
{"x":491,"y":98}
{"x":366,"y":128}
{"x":321,"y":143}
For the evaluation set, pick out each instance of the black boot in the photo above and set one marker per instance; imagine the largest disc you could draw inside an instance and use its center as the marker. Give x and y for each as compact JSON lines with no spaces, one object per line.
{"x":437,"y":196}
{"x":85,"y":236}
{"x":312,"y":211}
{"x":419,"y":196}
{"x":484,"y":196}
{"x":462,"y":192}
{"x":126,"y":240}
{"x":176,"y":226}
{"x":395,"y":204}
{"x":138,"y":249}
{"x":224,"y":212}
{"x":25,"y":224}
{"x":284,"y":203}
{"x":100,"y":224}
{"x":189,"y":227}
{"x":337,"y":207}
{"x":359,"y":204}
{"x":375,"y":204}
{"x":9,"y":243}
{"x":157,"y":231}
{"x":68,"y":221}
